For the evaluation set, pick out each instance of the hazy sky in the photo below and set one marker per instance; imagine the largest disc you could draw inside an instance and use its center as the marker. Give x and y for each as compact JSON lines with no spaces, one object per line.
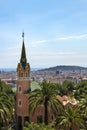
{"x":55,"y":32}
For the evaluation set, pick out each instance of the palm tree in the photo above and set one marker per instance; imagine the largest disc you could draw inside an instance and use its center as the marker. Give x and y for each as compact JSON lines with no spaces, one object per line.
{"x":5,"y":109}
{"x":45,"y":96}
{"x":69,"y":119}
{"x":69,"y":87}
{"x":80,"y":89}
{"x":83,"y":104}
{"x":83,"y":108}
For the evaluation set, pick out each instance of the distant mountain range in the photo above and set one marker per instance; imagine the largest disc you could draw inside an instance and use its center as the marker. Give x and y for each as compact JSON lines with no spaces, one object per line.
{"x":14,"y":69}
{"x":60,"y":68}
{"x":7,"y":69}
{"x":63,"y":67}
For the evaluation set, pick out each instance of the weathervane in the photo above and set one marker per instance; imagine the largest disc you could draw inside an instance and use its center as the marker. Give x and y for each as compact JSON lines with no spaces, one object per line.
{"x":23,"y":35}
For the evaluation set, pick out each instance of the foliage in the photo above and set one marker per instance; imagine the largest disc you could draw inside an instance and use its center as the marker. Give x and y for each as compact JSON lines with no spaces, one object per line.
{"x":34,"y":126}
{"x":66,"y":88}
{"x":34,"y":85}
{"x":5,"y":109}
{"x":6,"y":104}
{"x":80,"y":90}
{"x":45,"y":96}
{"x":69,"y":119}
{"x":6,"y":88}
{"x":62,"y":90}
{"x":83,"y":108}
{"x":69,"y":85}
{"x":81,"y":95}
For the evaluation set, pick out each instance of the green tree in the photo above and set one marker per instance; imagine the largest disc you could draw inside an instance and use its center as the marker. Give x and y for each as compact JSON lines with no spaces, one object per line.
{"x":34,"y":126}
{"x":5,"y":109}
{"x":45,"y":96}
{"x":69,"y":119}
{"x":69,"y":85}
{"x":80,"y":90}
{"x":1,"y":87}
{"x":83,"y":108}
{"x":62,"y":90}
{"x":6,"y":104}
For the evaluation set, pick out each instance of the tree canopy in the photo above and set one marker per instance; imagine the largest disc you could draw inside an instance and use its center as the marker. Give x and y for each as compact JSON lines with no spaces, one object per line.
{"x":6,"y":104}
{"x":45,"y":96}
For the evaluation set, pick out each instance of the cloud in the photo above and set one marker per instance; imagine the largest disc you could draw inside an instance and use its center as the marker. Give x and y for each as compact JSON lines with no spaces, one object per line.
{"x":56,"y":55}
{"x":71,"y":37}
{"x":34,"y":43}
{"x":82,"y":36}
{"x":46,"y":59}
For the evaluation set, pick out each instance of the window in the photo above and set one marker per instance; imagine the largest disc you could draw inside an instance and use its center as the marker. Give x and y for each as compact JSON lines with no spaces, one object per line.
{"x":21,"y":74}
{"x":19,"y":103}
{"x":26,"y":118}
{"x":26,"y":75}
{"x":39,"y":119}
{"x":19,"y":123}
{"x":19,"y":89}
{"x":52,"y":117}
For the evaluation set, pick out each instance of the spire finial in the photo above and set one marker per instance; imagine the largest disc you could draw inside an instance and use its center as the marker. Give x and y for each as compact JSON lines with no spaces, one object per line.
{"x":23,"y":35}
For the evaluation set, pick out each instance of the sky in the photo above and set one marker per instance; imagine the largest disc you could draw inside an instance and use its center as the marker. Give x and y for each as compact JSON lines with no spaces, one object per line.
{"x":55,"y":32}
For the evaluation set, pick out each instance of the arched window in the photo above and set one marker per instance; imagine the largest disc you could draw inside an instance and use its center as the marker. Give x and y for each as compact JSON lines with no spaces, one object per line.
{"x":19,"y":103}
{"x":19,"y":89}
{"x":39,"y":119}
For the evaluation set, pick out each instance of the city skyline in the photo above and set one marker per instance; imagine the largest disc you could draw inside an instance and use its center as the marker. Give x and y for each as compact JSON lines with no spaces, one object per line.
{"x":55,"y":32}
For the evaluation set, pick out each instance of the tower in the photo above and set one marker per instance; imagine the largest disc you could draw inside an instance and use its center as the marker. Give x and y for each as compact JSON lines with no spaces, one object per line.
{"x":23,"y":87}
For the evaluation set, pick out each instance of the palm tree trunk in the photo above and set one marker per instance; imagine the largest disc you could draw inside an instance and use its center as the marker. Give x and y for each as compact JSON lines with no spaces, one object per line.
{"x":45,"y":113}
{"x":70,"y":128}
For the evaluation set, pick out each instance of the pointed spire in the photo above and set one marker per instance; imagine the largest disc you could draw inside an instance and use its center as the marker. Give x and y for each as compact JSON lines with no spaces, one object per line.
{"x":23,"y":54}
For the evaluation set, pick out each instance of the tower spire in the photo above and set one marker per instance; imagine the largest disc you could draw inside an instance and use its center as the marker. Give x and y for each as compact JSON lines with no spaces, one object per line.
{"x":23,"y":54}
{"x":23,"y":89}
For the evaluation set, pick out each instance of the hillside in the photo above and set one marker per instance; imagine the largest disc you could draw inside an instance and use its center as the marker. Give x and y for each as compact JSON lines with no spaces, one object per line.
{"x":66,"y":68}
